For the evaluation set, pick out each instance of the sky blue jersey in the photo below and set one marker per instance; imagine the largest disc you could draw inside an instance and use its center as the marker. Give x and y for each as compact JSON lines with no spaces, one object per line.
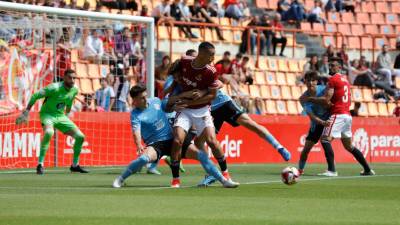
{"x":152,"y":122}
{"x":318,"y":110}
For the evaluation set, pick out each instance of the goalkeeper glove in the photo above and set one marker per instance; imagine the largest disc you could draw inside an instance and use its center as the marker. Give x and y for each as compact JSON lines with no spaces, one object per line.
{"x":23,"y":118}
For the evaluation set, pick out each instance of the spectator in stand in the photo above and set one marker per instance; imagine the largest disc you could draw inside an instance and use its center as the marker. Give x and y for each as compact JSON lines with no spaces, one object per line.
{"x":122,"y":92}
{"x":316,"y":13}
{"x":346,"y":5}
{"x":397,"y":62}
{"x":135,"y":46}
{"x":145,"y":11}
{"x":233,"y":9}
{"x":186,"y":14}
{"x":162,"y":11}
{"x":324,"y":69}
{"x":296,"y":12}
{"x":201,"y":15}
{"x":214,"y":9}
{"x":354,"y":112}
{"x":226,"y":73}
{"x":109,"y":45}
{"x":259,"y":106}
{"x":283,"y":7}
{"x":278,"y":35}
{"x":93,"y":50}
{"x":243,"y":48}
{"x":236,"y":62}
{"x":104,"y":97}
{"x":177,"y":14}
{"x":247,"y":105}
{"x":161,"y":74}
{"x":396,"y":110}
{"x":266,"y":40}
{"x":63,"y":56}
{"x":191,"y":52}
{"x":123,"y":48}
{"x":342,"y":54}
{"x":311,"y":65}
{"x":330,"y":52}
{"x":384,"y":66}
{"x":120,"y":4}
{"x":246,"y":76}
{"x":87,"y":103}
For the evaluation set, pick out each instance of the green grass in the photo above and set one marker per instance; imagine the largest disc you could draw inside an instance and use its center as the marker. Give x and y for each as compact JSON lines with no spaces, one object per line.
{"x":63,"y":198}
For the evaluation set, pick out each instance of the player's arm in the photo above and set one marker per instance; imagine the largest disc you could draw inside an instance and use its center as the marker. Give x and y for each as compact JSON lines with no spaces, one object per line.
{"x":323,"y":100}
{"x":211,"y":94}
{"x":70,"y":102}
{"x":137,"y":137}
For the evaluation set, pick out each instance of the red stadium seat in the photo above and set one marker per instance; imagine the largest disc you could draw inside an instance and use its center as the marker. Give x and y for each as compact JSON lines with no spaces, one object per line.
{"x":330,"y":27}
{"x":333,"y":17}
{"x":363,"y":18}
{"x":348,"y":17}
{"x":271,"y":107}
{"x":271,"y":78}
{"x":276,"y":92}
{"x":294,"y":66}
{"x":254,"y":91}
{"x":280,"y":78}
{"x":281,"y":107}
{"x":386,"y":29}
{"x":259,"y":77}
{"x":357,"y":29}
{"x":377,"y":18}
{"x":283,"y":65}
{"x":272,"y":64}
{"x":291,"y":79}
{"x":265,"y":91}
{"x":382,"y":7}
{"x":396,"y":7}
{"x":286,"y":92}
{"x":368,"y":7}
{"x":392,"y":19}
{"x":383,"y":109}
{"x":296,"y":92}
{"x":371,"y":29}
{"x":292,"y":108}
{"x":93,"y":71}
{"x":372,"y":109}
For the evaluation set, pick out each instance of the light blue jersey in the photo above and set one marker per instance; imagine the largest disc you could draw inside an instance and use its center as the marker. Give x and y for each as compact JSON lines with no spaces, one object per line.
{"x":219,"y":100}
{"x":151,"y":122}
{"x":169,"y":115}
{"x":318,"y":110}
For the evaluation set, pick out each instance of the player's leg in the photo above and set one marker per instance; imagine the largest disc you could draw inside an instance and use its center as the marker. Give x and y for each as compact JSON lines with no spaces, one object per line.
{"x":304,"y":155}
{"x":329,"y":133}
{"x":65,"y":125}
{"x":152,"y":168}
{"x":48,"y":131}
{"x":261,"y":131}
{"x":149,"y":155}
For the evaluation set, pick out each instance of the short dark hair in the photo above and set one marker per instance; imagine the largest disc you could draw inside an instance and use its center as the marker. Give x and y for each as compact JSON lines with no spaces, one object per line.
{"x":175,"y":66}
{"x":137,"y":89}
{"x":311,"y":75}
{"x":239,"y":55}
{"x":68,"y":72}
{"x":246,"y":58}
{"x":190,"y":52}
{"x":206,"y":46}
{"x":227,"y":53}
{"x":357,"y":104}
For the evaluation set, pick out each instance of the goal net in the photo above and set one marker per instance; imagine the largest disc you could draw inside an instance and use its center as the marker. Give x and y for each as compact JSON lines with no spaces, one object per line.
{"x":108,"y":52}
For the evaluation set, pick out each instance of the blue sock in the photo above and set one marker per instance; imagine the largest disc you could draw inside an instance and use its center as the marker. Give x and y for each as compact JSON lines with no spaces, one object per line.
{"x":135,"y":166}
{"x":152,"y":166}
{"x":271,"y":139}
{"x":302,"y":164}
{"x":209,"y":166}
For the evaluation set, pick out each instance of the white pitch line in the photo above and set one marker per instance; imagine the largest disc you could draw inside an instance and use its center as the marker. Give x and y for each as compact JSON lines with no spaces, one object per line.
{"x":54,"y":170}
{"x":129,"y":188}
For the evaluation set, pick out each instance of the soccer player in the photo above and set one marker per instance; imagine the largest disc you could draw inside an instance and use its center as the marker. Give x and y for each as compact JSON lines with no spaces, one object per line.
{"x":338,"y":96}
{"x":150,"y":123}
{"x":195,"y":74}
{"x":318,"y":116}
{"x":58,"y":100}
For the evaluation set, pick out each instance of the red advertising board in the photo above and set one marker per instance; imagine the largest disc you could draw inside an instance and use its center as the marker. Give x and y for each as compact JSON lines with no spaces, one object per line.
{"x":109,"y":141}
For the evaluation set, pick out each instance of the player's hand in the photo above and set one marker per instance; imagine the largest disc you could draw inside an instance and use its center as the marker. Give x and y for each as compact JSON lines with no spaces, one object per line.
{"x":304,"y":98}
{"x":23,"y":118}
{"x":325,"y":123}
{"x":140,"y":150}
{"x":180,"y":105}
{"x":196,"y":94}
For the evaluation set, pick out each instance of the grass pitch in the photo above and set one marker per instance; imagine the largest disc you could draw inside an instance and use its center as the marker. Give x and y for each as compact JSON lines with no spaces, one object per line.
{"x":59,"y":197}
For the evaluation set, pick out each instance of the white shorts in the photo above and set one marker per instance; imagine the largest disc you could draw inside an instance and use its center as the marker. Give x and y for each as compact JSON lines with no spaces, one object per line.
{"x":340,"y":126}
{"x":200,"y":118}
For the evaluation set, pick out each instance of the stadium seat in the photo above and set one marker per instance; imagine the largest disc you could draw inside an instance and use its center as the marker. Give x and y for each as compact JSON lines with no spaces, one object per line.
{"x":294,"y":66}
{"x":299,"y":107}
{"x":245,"y":89}
{"x":292,"y":108}
{"x":344,"y":29}
{"x":272,"y":4}
{"x":208,"y":35}
{"x":382,"y":7}
{"x":228,"y":35}
{"x":397,"y":80}
{"x":276,"y":92}
{"x":303,"y":88}
{"x":86,"y":86}
{"x":272,"y":64}
{"x":356,"y":94}
{"x":262,"y":4}
{"x":104,"y":70}
{"x":377,"y":18}
{"x":357,"y":29}
{"x":366,"y":43}
{"x":224,"y":21}
{"x":379,"y":42}
{"x":302,"y":62}
{"x":281,"y":107}
{"x":330,"y":40}
{"x":281,"y":78}
{"x":74,"y":55}
{"x":237,"y":37}
{"x":196,"y":31}
{"x":392,"y":19}
{"x":296,"y":92}
{"x":283,"y":65}
{"x":291,"y":79}
{"x":383,"y":109}
{"x":348,"y":17}
{"x":367,"y":94}
{"x":334,"y":17}
{"x":363,"y":18}
{"x":81,"y":70}
{"x":306,"y":26}
{"x":265,"y":91}
{"x":177,"y":34}
{"x":371,"y":29}
{"x":353,"y":42}
{"x":254,"y":91}
{"x":368,"y":7}
{"x":93,"y":71}
{"x":270,"y":107}
{"x":395,"y":7}
{"x":372,"y":109}
{"x":163,"y":32}
{"x":271,"y":78}
{"x":330,"y":27}
{"x":392,"y":43}
{"x":391,"y":107}
{"x":363,"y":110}
{"x":386,"y":29}
{"x":262,"y":63}
{"x":286,"y":93}
{"x":78,"y":85}
{"x":259,"y":77}
{"x":96,"y":84}
{"x":318,"y":27}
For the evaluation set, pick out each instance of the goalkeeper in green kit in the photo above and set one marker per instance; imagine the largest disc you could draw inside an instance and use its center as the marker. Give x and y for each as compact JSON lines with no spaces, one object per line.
{"x":57,"y":97}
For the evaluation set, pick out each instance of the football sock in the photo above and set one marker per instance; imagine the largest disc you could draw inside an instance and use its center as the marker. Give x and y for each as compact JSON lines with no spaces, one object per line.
{"x":222,"y":163}
{"x":209,"y":166}
{"x":302,"y":164}
{"x":175,"y":168}
{"x":329,"y":155}
{"x":44,"y":144}
{"x":79,"y":138}
{"x":360,"y":158}
{"x":271,"y":139}
{"x":152,"y":166}
{"x":135,"y":166}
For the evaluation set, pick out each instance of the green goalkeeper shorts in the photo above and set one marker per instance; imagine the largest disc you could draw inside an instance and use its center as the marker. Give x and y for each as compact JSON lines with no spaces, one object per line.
{"x":60,"y":122}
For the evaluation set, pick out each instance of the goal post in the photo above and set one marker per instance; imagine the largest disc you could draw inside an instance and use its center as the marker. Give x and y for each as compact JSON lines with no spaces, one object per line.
{"x":37,"y":44}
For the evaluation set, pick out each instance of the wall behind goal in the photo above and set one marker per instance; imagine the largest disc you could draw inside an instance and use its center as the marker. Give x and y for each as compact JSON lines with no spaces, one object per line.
{"x":109,"y":141}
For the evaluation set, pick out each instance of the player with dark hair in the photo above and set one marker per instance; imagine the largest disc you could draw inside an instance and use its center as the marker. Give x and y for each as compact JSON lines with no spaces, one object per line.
{"x":338,"y":95}
{"x":318,"y":117}
{"x":149,"y":122}
{"x":191,"y":52}
{"x":58,"y":100}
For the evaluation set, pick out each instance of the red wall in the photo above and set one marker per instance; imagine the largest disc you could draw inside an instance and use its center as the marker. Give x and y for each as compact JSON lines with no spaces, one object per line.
{"x":109,"y":141}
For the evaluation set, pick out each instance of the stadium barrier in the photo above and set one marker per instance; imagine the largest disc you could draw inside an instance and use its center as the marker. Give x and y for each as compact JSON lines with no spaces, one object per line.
{"x":109,"y":141}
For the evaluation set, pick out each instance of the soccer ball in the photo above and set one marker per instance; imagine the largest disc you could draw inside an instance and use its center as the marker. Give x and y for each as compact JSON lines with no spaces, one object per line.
{"x":290,"y":175}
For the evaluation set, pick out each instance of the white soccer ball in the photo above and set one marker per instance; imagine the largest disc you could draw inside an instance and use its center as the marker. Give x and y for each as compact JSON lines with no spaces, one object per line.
{"x":290,"y":175}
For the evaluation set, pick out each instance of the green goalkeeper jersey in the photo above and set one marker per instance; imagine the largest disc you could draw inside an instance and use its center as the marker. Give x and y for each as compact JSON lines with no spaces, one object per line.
{"x":57,"y":97}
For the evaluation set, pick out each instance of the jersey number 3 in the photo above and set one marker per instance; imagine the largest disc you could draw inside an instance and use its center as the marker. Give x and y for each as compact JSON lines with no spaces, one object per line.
{"x":345,"y":97}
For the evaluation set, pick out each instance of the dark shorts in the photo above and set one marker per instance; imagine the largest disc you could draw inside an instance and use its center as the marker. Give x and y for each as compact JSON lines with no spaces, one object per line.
{"x":229,"y":112}
{"x":315,"y":132}
{"x":164,"y":147}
